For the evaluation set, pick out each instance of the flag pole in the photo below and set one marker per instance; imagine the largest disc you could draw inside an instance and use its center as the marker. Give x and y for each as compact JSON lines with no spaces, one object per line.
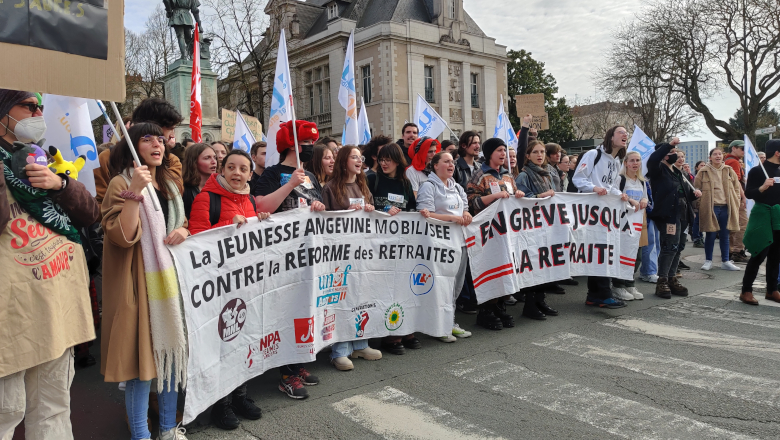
{"x":295,"y":132}
{"x":149,"y":186}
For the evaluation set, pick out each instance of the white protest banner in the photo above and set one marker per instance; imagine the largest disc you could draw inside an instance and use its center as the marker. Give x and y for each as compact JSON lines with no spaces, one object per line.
{"x":642,"y":144}
{"x":517,"y":243}
{"x":69,"y":128}
{"x":278,"y":291}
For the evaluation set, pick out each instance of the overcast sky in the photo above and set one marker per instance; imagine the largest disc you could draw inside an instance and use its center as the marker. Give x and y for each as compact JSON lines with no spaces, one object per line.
{"x":569,"y":36}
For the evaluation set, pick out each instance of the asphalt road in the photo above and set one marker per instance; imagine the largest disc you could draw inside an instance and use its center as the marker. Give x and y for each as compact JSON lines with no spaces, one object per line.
{"x":699,"y":367}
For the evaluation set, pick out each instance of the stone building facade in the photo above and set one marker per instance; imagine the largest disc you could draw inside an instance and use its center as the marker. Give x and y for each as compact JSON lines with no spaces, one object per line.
{"x":402,"y":48}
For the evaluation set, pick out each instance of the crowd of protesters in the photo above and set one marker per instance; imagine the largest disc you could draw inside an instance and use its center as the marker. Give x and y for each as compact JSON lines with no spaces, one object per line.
{"x":204,"y":186}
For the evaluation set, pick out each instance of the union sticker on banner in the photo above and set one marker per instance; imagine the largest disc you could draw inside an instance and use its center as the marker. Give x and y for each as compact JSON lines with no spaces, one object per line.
{"x":278,"y":291}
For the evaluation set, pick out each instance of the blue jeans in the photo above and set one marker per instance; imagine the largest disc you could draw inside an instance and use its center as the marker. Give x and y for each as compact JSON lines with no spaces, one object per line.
{"x":695,"y":232}
{"x":344,"y":349}
{"x":650,"y":252}
{"x":722,"y":215}
{"x":137,"y":405}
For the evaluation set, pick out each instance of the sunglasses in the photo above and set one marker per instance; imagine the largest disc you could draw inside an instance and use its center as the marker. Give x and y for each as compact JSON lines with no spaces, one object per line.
{"x":148,"y":138}
{"x":32,"y":106}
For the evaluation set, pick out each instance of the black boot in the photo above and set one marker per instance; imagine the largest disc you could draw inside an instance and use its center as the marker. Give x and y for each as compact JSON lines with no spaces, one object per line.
{"x":543,"y":306}
{"x":222,"y":415}
{"x":531,"y":309}
{"x":486,"y":318}
{"x":244,"y":406}
{"x":506,"y":319}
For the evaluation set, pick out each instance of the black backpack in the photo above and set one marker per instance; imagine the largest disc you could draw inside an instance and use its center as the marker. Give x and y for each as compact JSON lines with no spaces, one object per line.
{"x":215,"y":207}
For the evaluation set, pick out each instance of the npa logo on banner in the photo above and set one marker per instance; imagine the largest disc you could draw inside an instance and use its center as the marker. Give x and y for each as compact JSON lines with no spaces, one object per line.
{"x":517,"y":243}
{"x":278,"y":291}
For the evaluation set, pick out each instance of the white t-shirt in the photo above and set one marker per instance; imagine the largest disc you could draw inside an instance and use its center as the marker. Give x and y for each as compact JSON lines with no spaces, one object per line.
{"x":635,"y":189}
{"x":416,"y":178}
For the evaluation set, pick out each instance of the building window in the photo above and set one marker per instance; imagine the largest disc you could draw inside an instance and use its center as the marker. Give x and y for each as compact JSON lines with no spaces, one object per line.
{"x":452,"y":9}
{"x":429,"y":84}
{"x":474,"y":90}
{"x":318,"y":90}
{"x":365,"y":72}
{"x":333,"y":11}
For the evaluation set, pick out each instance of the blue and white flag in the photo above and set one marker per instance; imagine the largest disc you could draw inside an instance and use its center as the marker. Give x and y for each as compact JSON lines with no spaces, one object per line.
{"x":364,"y":129}
{"x":641,"y":143}
{"x":263,"y":138}
{"x":243,"y":137}
{"x":504,"y":130}
{"x":751,"y":161}
{"x":69,"y":128}
{"x":348,"y":95}
{"x":280,"y":101}
{"x":429,"y":123}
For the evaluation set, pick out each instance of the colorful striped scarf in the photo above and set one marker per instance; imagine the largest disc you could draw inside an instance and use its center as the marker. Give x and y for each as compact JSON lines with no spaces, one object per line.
{"x":169,"y":341}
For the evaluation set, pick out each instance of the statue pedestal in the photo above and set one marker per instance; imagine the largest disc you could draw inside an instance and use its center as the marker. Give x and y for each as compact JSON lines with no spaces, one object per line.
{"x":177,"y":82}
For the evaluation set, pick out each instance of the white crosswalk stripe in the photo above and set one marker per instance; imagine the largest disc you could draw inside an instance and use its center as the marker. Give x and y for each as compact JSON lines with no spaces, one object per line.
{"x":393,"y":414}
{"x":698,"y":310}
{"x":734,"y":296}
{"x":616,"y":415}
{"x":734,"y":384}
{"x":701,"y":338}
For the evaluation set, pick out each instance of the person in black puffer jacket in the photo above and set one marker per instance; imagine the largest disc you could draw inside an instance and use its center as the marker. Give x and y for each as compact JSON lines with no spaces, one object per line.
{"x":672,"y":212}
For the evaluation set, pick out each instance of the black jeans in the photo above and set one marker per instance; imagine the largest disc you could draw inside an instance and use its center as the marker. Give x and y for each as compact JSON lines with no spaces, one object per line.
{"x":672,"y":245}
{"x":772,"y":254}
{"x":598,"y":287}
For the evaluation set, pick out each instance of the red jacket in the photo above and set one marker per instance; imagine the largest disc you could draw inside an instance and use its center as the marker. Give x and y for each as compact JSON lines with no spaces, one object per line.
{"x":733,"y":162}
{"x":232,"y":205}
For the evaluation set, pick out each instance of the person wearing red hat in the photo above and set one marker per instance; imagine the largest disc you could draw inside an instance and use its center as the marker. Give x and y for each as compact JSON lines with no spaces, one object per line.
{"x":283,"y":187}
{"x":421,"y":152}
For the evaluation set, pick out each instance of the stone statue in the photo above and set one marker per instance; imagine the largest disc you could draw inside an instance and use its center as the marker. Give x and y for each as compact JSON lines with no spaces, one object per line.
{"x":180,"y":17}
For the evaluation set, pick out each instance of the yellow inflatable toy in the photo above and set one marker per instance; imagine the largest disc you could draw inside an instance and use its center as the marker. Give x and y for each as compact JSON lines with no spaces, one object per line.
{"x":62,"y":166}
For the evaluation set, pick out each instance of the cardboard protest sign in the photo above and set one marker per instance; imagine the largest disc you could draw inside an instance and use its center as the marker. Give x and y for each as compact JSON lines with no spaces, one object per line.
{"x":517,"y":243}
{"x":229,"y":125}
{"x":277,"y":291}
{"x":534,"y":105}
{"x":71,"y":48}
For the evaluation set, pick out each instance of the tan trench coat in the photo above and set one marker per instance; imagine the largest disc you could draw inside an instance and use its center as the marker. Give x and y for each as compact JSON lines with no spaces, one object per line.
{"x":703,"y":182}
{"x":126,"y":340}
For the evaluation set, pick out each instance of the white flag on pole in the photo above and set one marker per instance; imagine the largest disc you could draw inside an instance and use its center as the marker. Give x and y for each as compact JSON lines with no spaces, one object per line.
{"x":348,"y":95}
{"x":642,"y":144}
{"x":751,"y":160}
{"x":280,"y":101}
{"x":243,"y":138}
{"x":504,"y":128}
{"x":364,"y":129}
{"x":69,"y":128}
{"x":429,"y":123}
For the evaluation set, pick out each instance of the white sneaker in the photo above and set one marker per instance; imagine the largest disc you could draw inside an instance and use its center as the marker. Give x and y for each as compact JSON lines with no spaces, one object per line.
{"x":367,"y":353}
{"x":707,"y":265}
{"x":448,"y":338}
{"x":649,"y":278}
{"x":729,"y":265}
{"x":176,"y":433}
{"x":635,"y":293}
{"x":622,"y":294}
{"x":459,"y":332}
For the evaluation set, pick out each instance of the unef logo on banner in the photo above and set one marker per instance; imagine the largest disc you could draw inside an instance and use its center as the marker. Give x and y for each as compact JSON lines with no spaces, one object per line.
{"x":333,"y":286}
{"x":421,"y":280}
{"x":232,"y":319}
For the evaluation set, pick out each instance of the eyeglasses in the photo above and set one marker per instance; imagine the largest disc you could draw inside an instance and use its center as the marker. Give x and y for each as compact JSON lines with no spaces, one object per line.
{"x":385,"y":160}
{"x":358,"y":158}
{"x":32,"y":106}
{"x":149,"y":138}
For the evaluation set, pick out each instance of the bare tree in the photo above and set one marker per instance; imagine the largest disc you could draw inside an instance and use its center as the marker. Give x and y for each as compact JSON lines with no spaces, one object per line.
{"x":592,"y":120}
{"x":703,"y":44}
{"x":240,"y":51}
{"x":630,"y":73}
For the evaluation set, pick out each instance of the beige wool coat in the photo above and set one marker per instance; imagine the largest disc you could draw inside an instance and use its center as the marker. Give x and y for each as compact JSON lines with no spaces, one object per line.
{"x":703,"y":182}
{"x":126,"y":340}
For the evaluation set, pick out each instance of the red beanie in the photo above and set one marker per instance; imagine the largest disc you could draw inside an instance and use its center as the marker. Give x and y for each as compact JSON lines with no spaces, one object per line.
{"x":418,"y":151}
{"x":307,"y":131}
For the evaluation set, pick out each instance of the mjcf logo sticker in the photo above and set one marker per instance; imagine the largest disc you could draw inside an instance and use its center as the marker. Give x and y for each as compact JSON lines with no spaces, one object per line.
{"x":232,"y":319}
{"x":421,"y":280}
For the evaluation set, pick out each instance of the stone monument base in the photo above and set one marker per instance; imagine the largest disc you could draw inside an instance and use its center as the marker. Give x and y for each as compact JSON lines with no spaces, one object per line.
{"x":178,"y":83}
